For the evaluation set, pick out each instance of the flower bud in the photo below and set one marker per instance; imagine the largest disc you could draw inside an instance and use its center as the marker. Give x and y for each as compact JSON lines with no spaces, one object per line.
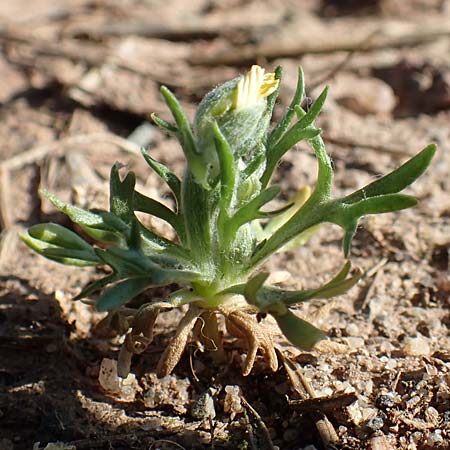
{"x":238,"y":106}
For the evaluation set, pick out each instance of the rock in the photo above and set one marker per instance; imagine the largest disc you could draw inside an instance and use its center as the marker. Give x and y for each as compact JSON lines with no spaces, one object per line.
{"x":125,"y":388}
{"x":417,"y":346}
{"x":167,"y":391}
{"x":232,"y":402}
{"x":203,"y":408}
{"x":364,"y":95}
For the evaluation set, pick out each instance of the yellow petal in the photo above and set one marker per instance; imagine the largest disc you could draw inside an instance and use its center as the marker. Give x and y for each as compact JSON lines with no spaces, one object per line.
{"x":253,"y":87}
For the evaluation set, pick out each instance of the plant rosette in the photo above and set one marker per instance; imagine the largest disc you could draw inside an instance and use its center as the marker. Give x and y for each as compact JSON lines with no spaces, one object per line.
{"x":224,"y":232}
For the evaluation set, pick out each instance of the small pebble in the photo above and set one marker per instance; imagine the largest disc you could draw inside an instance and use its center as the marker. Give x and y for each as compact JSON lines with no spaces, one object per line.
{"x":364,"y":95}
{"x":232,"y":402}
{"x":417,"y":346}
{"x":385,"y":401}
{"x":375,"y":423}
{"x":354,"y":342}
{"x":109,"y":380}
{"x":416,"y":437}
{"x":435,"y":437}
{"x":203,"y":408}
{"x":352,"y":330}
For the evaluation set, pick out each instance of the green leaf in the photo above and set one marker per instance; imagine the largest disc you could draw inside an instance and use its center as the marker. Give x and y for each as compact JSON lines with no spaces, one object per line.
{"x":97,"y":285}
{"x":347,"y":216}
{"x":48,"y":240}
{"x":292,"y":137}
{"x":150,"y":206}
{"x":379,"y":205}
{"x":300,"y":131}
{"x":313,"y":212}
{"x":122,"y":292}
{"x":121,"y":194}
{"x":299,"y":332}
{"x":227,"y":169}
{"x":167,"y":175}
{"x":285,"y":122}
{"x":252,"y":287}
{"x":398,"y":179}
{"x":64,"y":253}
{"x":125,"y":262}
{"x":307,"y":119}
{"x":251,"y":210}
{"x":196,"y":164}
{"x":58,"y":235}
{"x":274,"y":300}
{"x":100,"y":225}
{"x":166,"y":126}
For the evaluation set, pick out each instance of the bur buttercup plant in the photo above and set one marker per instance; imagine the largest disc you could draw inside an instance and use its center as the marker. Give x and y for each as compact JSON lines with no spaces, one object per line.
{"x":224,"y":229}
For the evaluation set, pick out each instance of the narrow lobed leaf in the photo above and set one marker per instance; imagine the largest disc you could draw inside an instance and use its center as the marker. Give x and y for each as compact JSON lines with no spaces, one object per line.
{"x":292,"y":137}
{"x":196,"y":164}
{"x":227,"y":168}
{"x":167,"y":175}
{"x":121,"y":194}
{"x":53,"y":233}
{"x":313,"y":112}
{"x":285,"y":122}
{"x":299,"y":332}
{"x":251,"y":210}
{"x":166,"y":126}
{"x":121,"y":293}
{"x":42,"y":247}
{"x":398,"y":179}
{"x":148,"y":205}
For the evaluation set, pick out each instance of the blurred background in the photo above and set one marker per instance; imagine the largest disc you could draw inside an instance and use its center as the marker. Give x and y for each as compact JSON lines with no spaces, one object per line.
{"x":78,"y":81}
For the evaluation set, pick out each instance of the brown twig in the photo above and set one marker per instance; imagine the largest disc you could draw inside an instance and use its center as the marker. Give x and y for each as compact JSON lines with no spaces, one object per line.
{"x":325,"y":404}
{"x":260,"y":422}
{"x":302,"y":386}
{"x":387,"y":34}
{"x":352,"y":143}
{"x":90,"y":54}
{"x":376,"y":272}
{"x":335,"y":70}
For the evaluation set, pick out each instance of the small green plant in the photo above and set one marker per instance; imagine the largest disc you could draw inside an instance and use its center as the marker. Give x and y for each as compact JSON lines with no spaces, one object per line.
{"x":223,"y":226}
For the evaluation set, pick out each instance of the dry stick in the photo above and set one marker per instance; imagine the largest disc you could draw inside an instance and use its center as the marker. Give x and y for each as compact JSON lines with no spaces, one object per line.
{"x":376,"y":270}
{"x":326,"y":404}
{"x":186,"y":30}
{"x":302,"y":386}
{"x":386,"y":35}
{"x":249,"y":427}
{"x":335,"y":70}
{"x":38,"y":153}
{"x":259,"y":421}
{"x":92,"y":55}
{"x":349,"y":142}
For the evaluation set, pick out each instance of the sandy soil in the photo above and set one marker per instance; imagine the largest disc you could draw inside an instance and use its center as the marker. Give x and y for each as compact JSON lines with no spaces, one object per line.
{"x":78,"y":80}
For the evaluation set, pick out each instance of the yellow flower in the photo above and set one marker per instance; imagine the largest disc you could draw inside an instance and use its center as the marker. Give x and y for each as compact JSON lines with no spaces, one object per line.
{"x":254,"y":86}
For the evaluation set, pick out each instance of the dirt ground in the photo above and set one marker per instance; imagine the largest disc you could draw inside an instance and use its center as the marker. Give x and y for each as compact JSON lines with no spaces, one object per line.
{"x":79,"y":79}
